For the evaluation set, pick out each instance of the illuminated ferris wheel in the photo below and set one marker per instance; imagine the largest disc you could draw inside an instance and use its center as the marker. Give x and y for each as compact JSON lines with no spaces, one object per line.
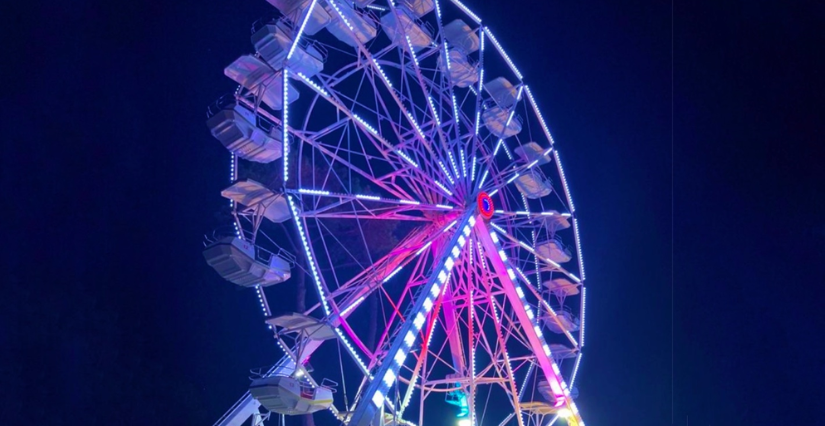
{"x":392,"y":155}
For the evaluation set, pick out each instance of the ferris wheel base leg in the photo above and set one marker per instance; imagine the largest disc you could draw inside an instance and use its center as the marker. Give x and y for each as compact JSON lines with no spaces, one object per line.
{"x":245,"y":408}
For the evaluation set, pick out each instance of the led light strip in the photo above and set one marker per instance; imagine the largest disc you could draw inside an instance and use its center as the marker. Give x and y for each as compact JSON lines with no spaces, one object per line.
{"x":452,"y":163}
{"x":564,"y":181}
{"x":364,"y":123}
{"x":541,"y":118}
{"x":435,"y":112}
{"x":313,"y":192}
{"x":483,"y":178}
{"x":406,"y":158}
{"x":301,"y":30}
{"x":446,"y":172}
{"x":463,"y":163}
{"x":285,"y":124}
{"x":575,"y":370}
{"x":314,"y":85}
{"x":467,"y":11}
{"x":412,"y":51}
{"x":584,"y":312}
{"x":443,"y":188}
{"x":503,"y":53}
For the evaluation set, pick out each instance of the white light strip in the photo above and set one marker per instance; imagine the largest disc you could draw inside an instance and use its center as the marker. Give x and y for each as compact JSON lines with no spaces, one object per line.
{"x":450,"y":225}
{"x":538,"y":113}
{"x":578,"y":246}
{"x":368,"y":197}
{"x":421,"y":250}
{"x":483,"y":178}
{"x":438,"y":10}
{"x":412,"y":51}
{"x":312,"y":191}
{"x":509,"y":181}
{"x":285,"y":125}
{"x":446,"y":172}
{"x":378,"y":8}
{"x":410,"y":202}
{"x":575,"y":370}
{"x":473,"y":171}
{"x":389,"y":277}
{"x":380,"y":70}
{"x":435,"y":111}
{"x":452,"y":163}
{"x":301,"y":30}
{"x":417,"y":128}
{"x":344,"y":18}
{"x":443,"y":188}
{"x":584,"y":311}
{"x":314,"y":85}
{"x":494,"y":192}
{"x":467,"y":11}
{"x":503,"y":53}
{"x":349,"y":308}
{"x":497,"y":228}
{"x":455,"y":112}
{"x":407,"y":158}
{"x":444,"y":206}
{"x":463,"y":163}
{"x":564,"y":181}
{"x":364,"y":123}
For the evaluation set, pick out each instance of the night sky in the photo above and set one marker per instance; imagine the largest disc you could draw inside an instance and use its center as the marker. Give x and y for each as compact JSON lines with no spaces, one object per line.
{"x":109,"y":314}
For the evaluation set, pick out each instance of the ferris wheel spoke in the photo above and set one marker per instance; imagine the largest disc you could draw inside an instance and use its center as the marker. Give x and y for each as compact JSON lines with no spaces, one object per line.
{"x":547,"y":261}
{"x":374,"y":396}
{"x":515,"y":296}
{"x":382,"y":145}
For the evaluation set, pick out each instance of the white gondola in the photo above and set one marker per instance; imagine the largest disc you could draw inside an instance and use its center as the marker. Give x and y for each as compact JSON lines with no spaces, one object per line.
{"x":260,"y":79}
{"x":418,"y":8}
{"x":259,"y":198}
{"x":554,"y":221}
{"x":306,"y":326}
{"x":420,"y":37}
{"x":561,"y":287}
{"x":563,"y":321}
{"x":234,"y":127}
{"x":532,"y":151}
{"x":273,"y":42}
{"x":554,"y":249}
{"x":495,"y":119}
{"x":541,"y":408}
{"x":533,"y":185}
{"x":294,"y":10}
{"x":560,"y":351}
{"x":290,"y":396}
{"x":363,"y":29}
{"x":242,"y":263}
{"x":462,"y":72}
{"x":544,"y":389}
{"x":502,"y":91}
{"x":461,"y":36}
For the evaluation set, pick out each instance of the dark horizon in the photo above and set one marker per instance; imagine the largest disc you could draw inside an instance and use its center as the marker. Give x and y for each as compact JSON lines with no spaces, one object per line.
{"x":690,"y":144}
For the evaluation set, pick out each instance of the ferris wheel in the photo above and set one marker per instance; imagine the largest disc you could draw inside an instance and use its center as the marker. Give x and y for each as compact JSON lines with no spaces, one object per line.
{"x":391,"y":155}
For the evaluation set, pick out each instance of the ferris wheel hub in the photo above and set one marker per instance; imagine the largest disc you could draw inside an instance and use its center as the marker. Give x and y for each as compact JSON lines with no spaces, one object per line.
{"x":485,"y":205}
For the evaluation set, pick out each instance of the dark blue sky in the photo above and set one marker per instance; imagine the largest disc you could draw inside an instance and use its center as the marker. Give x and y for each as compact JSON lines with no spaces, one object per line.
{"x":109,"y":312}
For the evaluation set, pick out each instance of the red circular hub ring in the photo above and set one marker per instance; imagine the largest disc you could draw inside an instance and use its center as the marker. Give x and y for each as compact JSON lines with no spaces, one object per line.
{"x":485,"y":205}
